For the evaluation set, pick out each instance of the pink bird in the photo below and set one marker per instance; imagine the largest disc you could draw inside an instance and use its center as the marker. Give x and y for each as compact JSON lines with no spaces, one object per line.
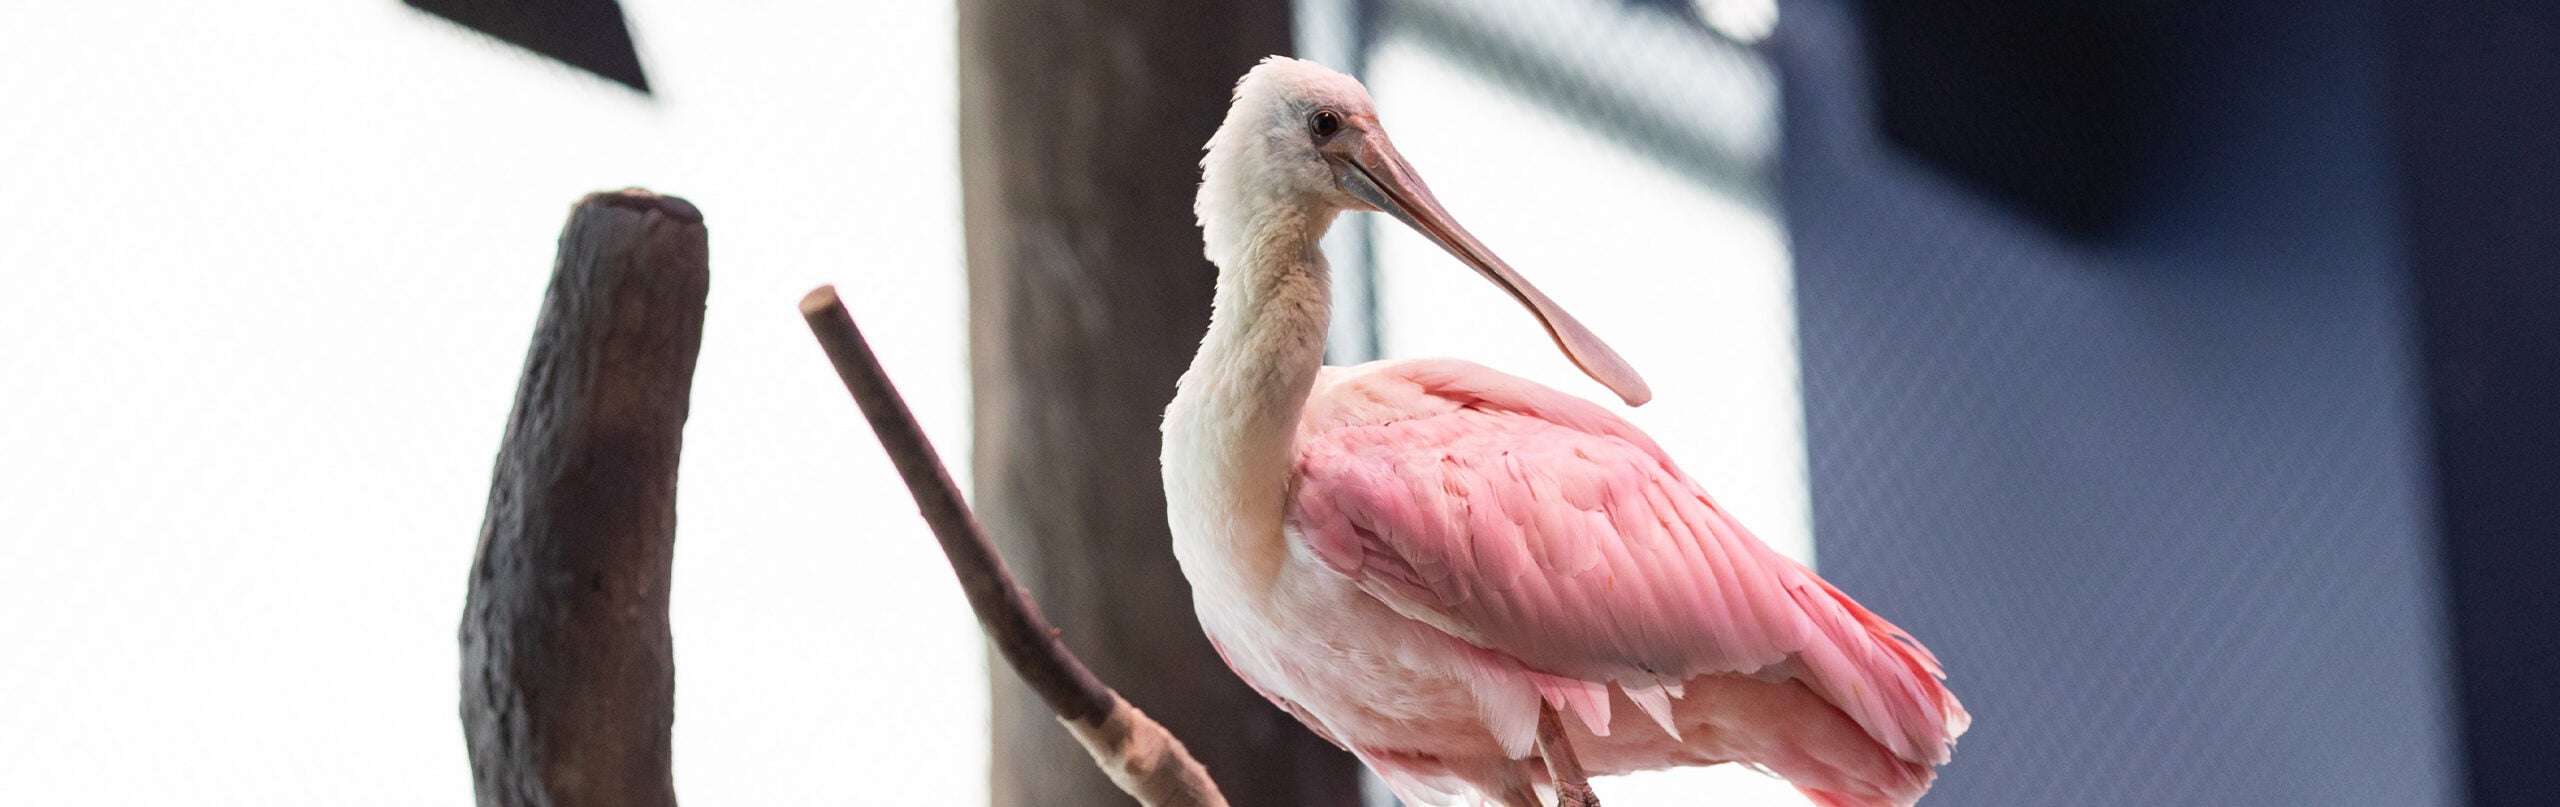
{"x":1417,"y":558}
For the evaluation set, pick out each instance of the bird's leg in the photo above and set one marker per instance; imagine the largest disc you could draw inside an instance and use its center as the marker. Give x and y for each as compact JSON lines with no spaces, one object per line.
{"x":1573,"y":789}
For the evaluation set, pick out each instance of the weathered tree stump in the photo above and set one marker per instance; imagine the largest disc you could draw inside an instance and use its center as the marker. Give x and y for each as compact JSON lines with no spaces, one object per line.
{"x":568,"y":669}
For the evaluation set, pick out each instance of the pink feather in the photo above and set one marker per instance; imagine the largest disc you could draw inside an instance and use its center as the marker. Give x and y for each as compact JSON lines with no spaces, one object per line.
{"x":1542,"y":528}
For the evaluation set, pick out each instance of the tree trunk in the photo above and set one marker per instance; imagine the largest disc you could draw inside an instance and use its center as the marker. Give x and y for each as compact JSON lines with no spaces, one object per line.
{"x":568,"y":671}
{"x":1081,"y":123}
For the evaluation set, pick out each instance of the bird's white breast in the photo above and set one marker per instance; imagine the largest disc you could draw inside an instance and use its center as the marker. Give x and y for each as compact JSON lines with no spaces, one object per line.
{"x":1372,"y":678}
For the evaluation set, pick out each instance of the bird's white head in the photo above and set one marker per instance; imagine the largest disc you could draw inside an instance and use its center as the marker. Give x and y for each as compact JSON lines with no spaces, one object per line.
{"x":1271,"y":155}
{"x":1302,"y":143}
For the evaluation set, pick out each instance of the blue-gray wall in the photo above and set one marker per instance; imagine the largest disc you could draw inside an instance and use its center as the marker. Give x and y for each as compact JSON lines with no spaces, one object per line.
{"x":2159,"y":496}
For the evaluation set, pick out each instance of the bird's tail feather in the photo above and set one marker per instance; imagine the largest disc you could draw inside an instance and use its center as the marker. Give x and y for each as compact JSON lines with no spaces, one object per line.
{"x":1880,"y":676}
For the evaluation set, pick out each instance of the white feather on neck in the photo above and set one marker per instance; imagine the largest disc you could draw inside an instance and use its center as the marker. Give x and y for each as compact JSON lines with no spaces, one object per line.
{"x":1266,"y":197}
{"x":1231,"y":428}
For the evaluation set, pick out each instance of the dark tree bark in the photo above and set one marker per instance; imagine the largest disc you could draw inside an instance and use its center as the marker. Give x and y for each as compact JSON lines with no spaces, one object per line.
{"x":1081,"y":123}
{"x":568,"y":671}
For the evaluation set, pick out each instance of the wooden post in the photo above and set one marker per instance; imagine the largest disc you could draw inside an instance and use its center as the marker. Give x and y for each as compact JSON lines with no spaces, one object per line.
{"x":1081,"y":124}
{"x":568,"y":671}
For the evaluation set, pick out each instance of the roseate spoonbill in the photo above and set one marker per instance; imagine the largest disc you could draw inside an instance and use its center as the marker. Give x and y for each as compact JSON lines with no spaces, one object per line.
{"x":1420,"y":558}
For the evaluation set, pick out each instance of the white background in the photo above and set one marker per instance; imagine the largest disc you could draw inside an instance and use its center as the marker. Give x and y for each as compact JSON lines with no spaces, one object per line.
{"x":267,"y":270}
{"x":270,"y":269}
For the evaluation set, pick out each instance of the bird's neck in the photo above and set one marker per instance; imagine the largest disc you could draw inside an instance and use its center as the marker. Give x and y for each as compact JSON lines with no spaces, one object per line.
{"x":1229,"y":435}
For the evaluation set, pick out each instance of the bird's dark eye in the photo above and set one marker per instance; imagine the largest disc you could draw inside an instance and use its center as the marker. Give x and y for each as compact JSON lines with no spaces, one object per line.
{"x":1325,"y":122}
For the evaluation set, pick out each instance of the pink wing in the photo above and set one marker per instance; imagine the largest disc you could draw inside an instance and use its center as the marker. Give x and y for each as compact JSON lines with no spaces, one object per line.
{"x":1539,"y":525}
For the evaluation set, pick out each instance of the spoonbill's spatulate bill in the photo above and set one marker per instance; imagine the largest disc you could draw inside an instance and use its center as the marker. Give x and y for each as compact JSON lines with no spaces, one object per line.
{"x":1413,"y":556}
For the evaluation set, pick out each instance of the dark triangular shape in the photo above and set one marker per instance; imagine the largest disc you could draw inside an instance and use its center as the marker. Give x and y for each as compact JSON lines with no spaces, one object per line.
{"x":587,"y":34}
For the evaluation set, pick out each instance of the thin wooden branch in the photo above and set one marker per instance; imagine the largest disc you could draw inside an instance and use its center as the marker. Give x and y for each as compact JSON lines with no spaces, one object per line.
{"x":568,"y":668}
{"x":1573,"y":788}
{"x":1140,"y":756}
